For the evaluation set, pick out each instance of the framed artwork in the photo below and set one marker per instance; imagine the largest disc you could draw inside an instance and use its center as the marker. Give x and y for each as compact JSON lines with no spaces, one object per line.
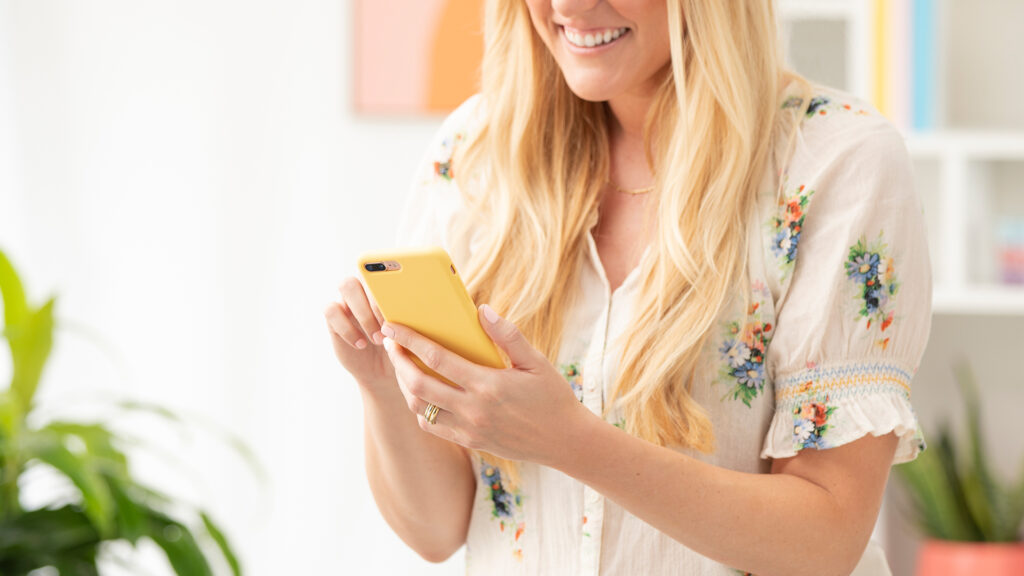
{"x":416,"y":57}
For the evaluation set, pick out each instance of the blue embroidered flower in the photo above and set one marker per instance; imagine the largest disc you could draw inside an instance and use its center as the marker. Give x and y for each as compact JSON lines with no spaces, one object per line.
{"x":735,"y":352}
{"x":873,"y":271}
{"x":786,"y":226}
{"x":750,"y":375}
{"x":816,"y":102}
{"x":502,"y":499}
{"x":863,"y":267}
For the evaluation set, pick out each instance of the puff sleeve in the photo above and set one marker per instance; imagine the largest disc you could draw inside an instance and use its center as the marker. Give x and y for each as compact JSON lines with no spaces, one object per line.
{"x":853,"y":312}
{"x":434,"y":200}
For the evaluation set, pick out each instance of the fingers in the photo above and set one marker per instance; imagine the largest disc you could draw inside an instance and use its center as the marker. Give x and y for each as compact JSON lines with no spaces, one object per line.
{"x":341,"y":322}
{"x":508,"y":337}
{"x":433,"y":355}
{"x":418,"y":387}
{"x":354,"y":296}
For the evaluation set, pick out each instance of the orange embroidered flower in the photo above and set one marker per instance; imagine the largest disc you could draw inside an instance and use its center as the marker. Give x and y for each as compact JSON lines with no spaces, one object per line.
{"x":887,"y":321}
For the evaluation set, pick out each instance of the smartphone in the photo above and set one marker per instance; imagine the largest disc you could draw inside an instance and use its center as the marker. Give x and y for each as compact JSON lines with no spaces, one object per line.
{"x":421,"y":289}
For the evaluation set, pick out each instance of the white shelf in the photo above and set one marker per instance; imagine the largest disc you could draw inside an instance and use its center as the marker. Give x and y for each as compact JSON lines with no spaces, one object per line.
{"x":992,"y":300}
{"x":817,"y":9}
{"x":970,"y":144}
{"x":964,"y":185}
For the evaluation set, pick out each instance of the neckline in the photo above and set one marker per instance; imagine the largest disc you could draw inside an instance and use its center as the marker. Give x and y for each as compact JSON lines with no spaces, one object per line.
{"x":595,"y":260}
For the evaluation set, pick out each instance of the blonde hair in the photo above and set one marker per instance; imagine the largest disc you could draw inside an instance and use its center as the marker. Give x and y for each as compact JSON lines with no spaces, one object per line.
{"x":543,"y":154}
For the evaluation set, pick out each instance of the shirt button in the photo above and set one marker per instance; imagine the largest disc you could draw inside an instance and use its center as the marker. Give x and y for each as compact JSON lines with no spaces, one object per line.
{"x":593,"y":497}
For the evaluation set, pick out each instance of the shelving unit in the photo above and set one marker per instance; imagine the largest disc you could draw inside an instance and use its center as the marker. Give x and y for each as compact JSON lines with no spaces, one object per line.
{"x":967,"y":175}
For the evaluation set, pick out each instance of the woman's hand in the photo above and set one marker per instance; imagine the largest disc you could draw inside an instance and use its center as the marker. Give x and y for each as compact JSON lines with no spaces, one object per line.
{"x":521,"y":413}
{"x":354,"y":324}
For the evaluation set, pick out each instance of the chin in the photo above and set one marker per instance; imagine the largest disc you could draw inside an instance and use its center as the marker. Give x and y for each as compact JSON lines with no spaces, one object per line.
{"x":591,"y":90}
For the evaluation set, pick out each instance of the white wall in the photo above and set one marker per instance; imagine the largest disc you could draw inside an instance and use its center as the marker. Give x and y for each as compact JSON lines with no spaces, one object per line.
{"x":188,"y":177}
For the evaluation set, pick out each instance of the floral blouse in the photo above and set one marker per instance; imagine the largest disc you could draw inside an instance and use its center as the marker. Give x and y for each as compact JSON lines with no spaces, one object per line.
{"x":839,"y":318}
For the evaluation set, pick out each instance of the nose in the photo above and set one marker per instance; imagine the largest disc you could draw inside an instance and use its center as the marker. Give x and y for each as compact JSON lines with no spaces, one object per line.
{"x":571,"y":8}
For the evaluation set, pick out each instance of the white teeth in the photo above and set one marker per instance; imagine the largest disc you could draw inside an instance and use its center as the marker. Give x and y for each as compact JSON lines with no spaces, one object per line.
{"x":591,"y":40}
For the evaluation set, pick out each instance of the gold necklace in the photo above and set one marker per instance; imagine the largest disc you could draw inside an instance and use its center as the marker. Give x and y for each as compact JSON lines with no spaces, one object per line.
{"x":632,"y":192}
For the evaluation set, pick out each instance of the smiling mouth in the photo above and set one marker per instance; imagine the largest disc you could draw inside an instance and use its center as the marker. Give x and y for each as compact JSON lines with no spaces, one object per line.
{"x":593,"y":38}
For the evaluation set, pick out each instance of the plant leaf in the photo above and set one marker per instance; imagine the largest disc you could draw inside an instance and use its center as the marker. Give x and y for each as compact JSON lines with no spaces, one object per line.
{"x":30,"y":347}
{"x":13,"y":293}
{"x":236,"y":443}
{"x":984,"y":495}
{"x":179,"y":545}
{"x":99,"y":442}
{"x":61,"y":537}
{"x":222,"y":543}
{"x":96,"y":497}
{"x":932,"y":495}
{"x":967,"y":527}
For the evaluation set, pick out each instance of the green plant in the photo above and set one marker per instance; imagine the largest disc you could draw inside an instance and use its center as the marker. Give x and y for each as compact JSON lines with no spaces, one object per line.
{"x":954,"y":494}
{"x":111,"y":504}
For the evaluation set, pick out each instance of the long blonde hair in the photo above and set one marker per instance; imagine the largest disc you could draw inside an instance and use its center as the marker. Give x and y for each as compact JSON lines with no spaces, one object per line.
{"x":543,"y":155}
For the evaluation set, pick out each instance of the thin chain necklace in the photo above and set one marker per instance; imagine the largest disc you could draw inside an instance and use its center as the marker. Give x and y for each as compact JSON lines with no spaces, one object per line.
{"x":631,"y":192}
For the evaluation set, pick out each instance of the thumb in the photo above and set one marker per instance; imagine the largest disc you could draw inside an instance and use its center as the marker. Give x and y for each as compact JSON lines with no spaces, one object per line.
{"x":508,"y":338}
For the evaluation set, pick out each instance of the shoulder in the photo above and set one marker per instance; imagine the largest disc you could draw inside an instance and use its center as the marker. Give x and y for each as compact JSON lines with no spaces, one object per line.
{"x":457,"y":127}
{"x":849,"y":168}
{"x":841,"y":130}
{"x":435,"y":199}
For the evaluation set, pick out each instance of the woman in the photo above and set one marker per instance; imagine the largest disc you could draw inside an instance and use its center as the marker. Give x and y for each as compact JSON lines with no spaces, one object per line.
{"x":628,"y":194}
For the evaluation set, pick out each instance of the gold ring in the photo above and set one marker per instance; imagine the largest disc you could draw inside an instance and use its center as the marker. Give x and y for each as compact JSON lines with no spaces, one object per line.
{"x":431,"y":413}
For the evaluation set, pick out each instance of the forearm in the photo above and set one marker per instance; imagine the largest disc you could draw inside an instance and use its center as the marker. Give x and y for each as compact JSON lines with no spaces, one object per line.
{"x":423,"y":485}
{"x":767,"y":524}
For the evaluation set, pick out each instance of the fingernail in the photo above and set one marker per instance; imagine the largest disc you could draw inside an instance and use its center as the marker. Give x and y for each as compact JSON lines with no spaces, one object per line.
{"x":389,"y":344}
{"x":490,"y":314}
{"x":361,"y":343}
{"x":388,"y":331}
{"x":378,"y":337}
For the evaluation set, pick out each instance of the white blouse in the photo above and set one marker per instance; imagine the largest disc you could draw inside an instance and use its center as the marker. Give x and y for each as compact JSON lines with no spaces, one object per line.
{"x":823,"y":356}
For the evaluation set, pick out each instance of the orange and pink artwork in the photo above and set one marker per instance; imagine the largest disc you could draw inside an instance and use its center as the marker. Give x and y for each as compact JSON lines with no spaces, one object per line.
{"x":416,"y":56}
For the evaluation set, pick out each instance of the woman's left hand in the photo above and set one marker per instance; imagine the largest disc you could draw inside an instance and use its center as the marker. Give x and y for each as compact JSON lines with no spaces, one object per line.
{"x":524,"y":412}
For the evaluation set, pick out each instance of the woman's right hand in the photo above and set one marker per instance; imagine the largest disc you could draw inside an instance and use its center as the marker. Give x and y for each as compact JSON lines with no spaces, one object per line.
{"x":354,"y":324}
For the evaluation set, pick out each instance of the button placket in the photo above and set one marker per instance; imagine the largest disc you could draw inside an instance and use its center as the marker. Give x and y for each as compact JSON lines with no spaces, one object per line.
{"x":592,"y":522}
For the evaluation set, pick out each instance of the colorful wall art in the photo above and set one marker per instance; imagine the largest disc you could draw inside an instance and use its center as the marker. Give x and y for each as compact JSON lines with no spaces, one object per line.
{"x":416,"y":56}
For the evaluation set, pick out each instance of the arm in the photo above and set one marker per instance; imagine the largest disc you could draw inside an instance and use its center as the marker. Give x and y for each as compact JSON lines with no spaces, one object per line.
{"x":763,"y":523}
{"x":422,"y":485}
{"x":767,"y":524}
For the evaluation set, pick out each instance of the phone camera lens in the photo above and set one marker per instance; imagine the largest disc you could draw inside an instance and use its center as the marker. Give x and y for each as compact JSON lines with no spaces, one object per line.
{"x":375,"y":267}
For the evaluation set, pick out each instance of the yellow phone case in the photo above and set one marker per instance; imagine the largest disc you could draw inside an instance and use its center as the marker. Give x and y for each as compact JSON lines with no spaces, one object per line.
{"x":426,"y":294}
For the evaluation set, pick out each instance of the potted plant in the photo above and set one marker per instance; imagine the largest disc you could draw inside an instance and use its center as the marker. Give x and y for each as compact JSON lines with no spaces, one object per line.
{"x":110,"y":505}
{"x":971,"y":519}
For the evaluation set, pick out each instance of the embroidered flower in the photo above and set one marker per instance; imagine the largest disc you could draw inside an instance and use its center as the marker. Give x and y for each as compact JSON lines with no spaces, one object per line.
{"x":572,"y":373}
{"x":810,"y":423}
{"x":752,"y":374}
{"x":791,"y":102}
{"x":873,"y":272}
{"x":786,"y":225}
{"x":863,"y":267}
{"x":743,"y":349}
{"x":735,"y":352}
{"x":821,"y":105}
{"x":507,"y":506}
{"x":816,"y":104}
{"x":443,"y":165}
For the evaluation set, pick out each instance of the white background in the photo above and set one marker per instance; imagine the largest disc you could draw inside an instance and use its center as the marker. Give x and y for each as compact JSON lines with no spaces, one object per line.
{"x":189,"y":178}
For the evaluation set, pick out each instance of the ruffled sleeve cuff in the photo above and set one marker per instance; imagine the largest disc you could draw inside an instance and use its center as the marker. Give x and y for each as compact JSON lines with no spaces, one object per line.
{"x":825,"y":407}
